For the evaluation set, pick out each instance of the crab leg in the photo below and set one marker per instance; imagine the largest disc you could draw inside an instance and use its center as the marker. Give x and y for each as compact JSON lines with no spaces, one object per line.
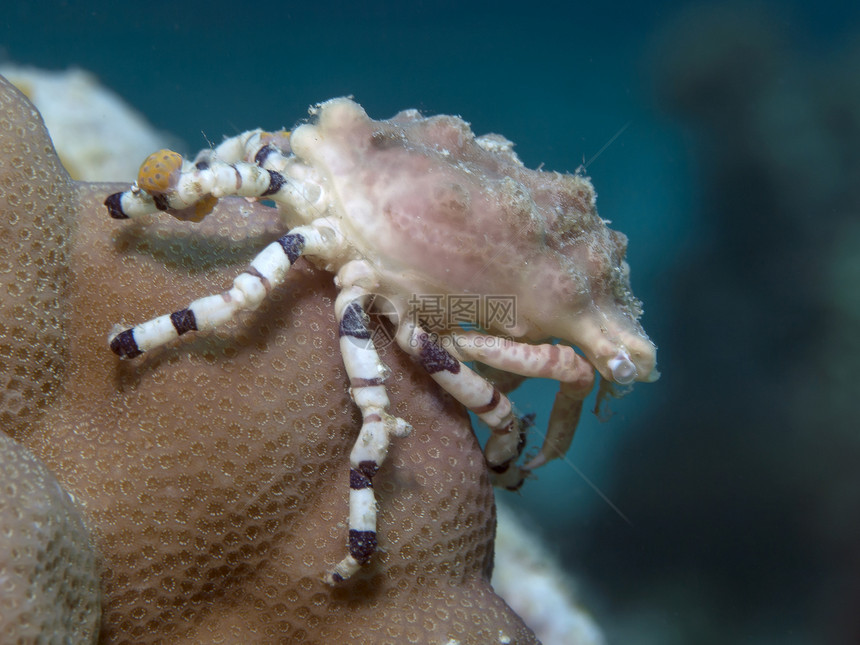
{"x":505,"y":382}
{"x":366,"y":379}
{"x":476,"y":393}
{"x":248,"y":165}
{"x":557,"y":362}
{"x":266,"y":272}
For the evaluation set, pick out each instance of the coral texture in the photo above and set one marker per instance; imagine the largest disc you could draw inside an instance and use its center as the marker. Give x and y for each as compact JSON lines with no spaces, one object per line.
{"x":37,"y":202}
{"x":213,"y":473}
{"x":49,"y":584}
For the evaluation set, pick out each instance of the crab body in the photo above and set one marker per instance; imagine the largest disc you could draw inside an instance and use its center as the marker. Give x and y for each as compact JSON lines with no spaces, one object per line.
{"x":413,"y":208}
{"x":435,"y":210}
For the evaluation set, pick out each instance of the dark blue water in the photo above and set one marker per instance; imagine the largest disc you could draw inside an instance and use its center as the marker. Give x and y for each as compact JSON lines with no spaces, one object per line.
{"x":734,"y":504}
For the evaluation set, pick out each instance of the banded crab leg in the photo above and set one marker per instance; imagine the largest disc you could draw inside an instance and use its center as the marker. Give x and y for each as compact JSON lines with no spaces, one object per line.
{"x":189,"y":191}
{"x":366,"y":374}
{"x":477,"y":394}
{"x":558,"y":362}
{"x":266,"y":272}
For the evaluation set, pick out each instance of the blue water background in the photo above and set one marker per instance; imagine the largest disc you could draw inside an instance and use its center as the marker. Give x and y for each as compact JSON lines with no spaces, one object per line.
{"x":560,"y":80}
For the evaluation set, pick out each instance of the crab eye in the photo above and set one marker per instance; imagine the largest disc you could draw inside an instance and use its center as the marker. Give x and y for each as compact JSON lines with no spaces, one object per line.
{"x":622,"y":368}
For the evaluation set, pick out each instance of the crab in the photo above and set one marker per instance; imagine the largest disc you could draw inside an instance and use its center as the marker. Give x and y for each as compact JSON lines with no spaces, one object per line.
{"x":473,"y":257}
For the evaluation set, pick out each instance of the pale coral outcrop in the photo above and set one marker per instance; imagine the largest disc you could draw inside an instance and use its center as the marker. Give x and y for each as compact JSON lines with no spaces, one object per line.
{"x":98,"y":136}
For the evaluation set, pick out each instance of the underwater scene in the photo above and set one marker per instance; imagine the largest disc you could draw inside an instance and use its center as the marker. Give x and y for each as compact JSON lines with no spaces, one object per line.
{"x":718,"y":503}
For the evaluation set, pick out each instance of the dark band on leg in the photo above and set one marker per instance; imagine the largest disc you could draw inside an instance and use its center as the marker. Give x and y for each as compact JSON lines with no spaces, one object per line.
{"x":358,"y":480}
{"x":502,"y":467}
{"x":161,"y":202}
{"x":183,"y":321}
{"x":263,"y":154}
{"x":368,"y":468}
{"x":362,"y":545}
{"x":276,"y":182}
{"x":365,"y":382}
{"x":435,"y":358}
{"x":515,"y":487}
{"x":494,"y":401}
{"x":124,"y":345}
{"x":114,"y":206}
{"x":263,"y":279}
{"x":293,"y":245}
{"x":352,"y":323}
{"x":519,"y":425}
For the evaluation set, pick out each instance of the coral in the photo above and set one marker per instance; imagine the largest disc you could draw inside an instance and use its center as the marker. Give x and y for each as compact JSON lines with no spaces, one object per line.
{"x":536,"y":587}
{"x":97,"y":135}
{"x":37,"y":201}
{"x":48,"y":579}
{"x":213,"y":481}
